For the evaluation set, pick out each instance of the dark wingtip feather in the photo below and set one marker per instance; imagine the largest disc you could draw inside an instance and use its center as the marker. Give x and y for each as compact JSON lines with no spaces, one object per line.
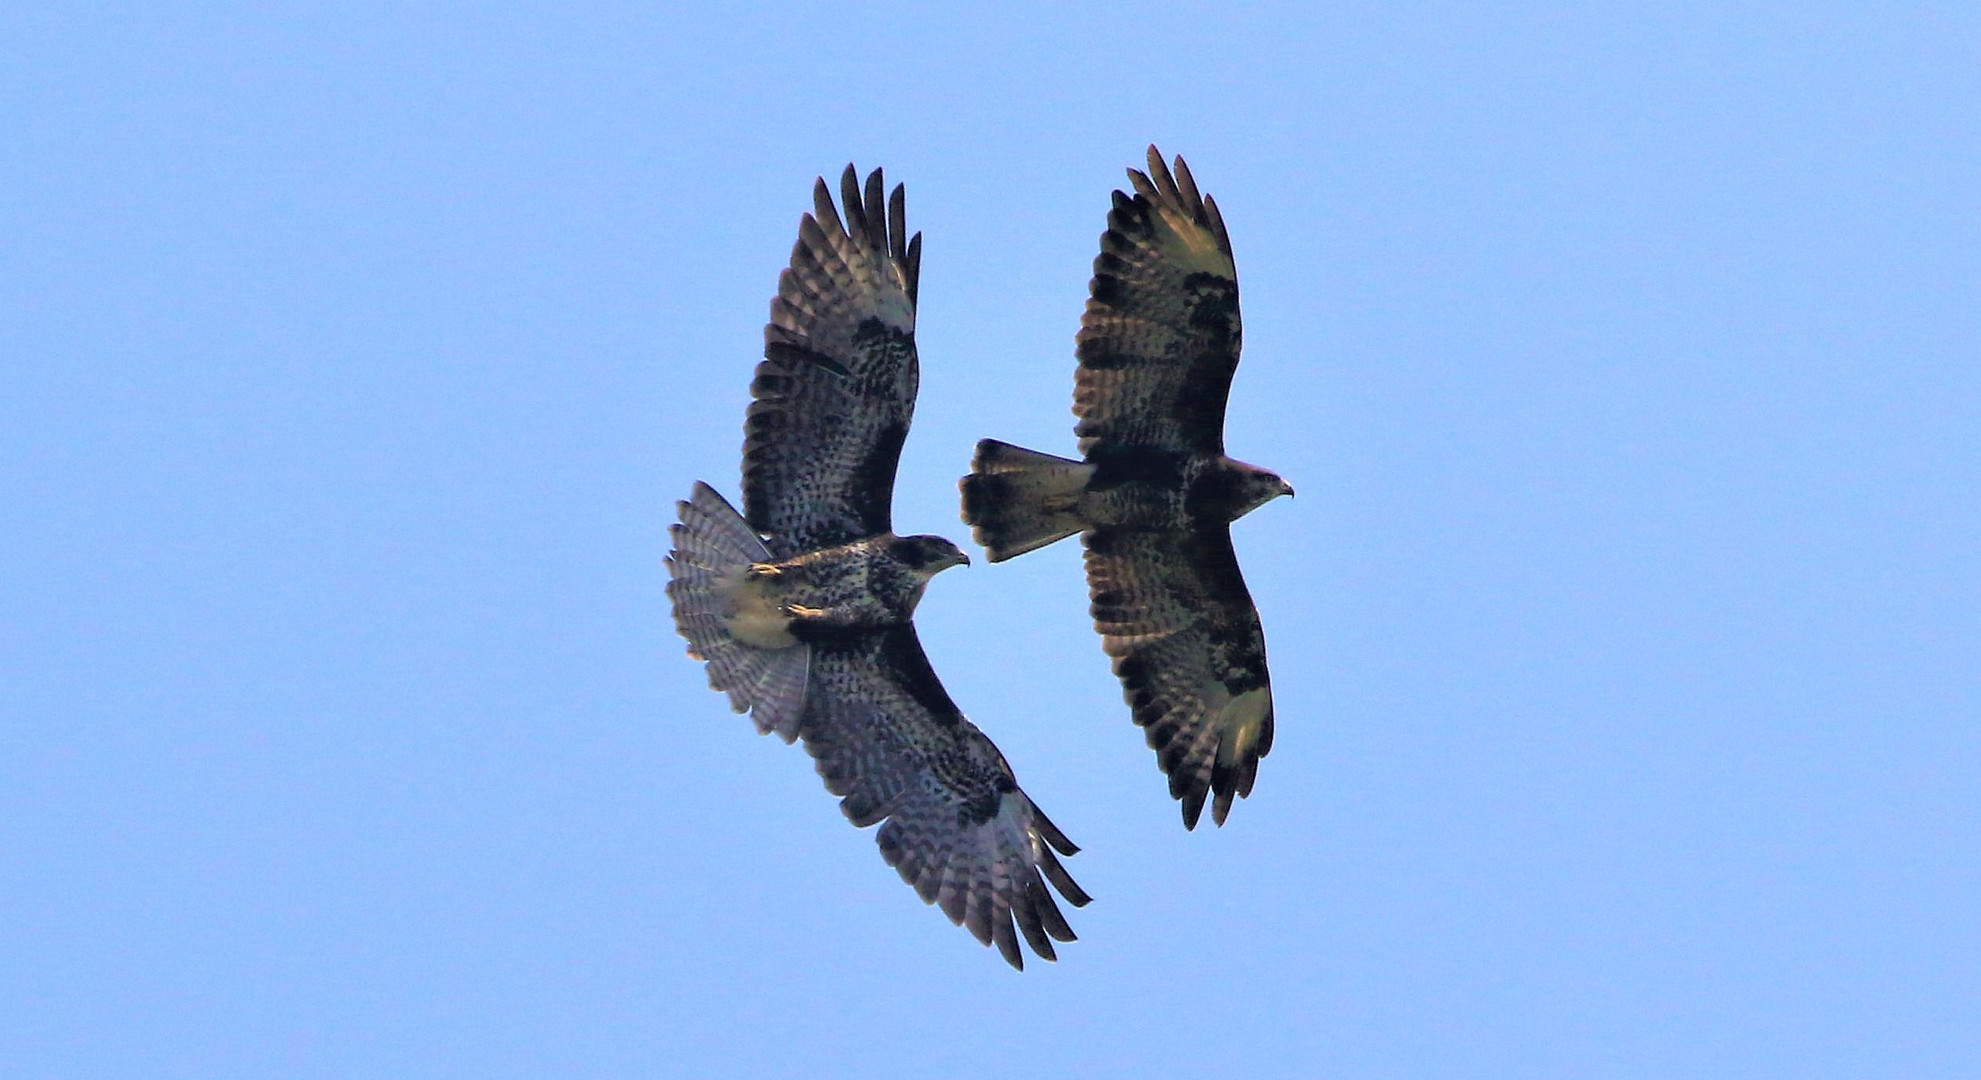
{"x":1051,"y":833}
{"x":1063,"y":881}
{"x":1193,"y":807}
{"x":1223,"y":777}
{"x":1030,"y":920}
{"x":1220,"y":807}
{"x":1186,"y":186}
{"x":874,"y":208}
{"x":1159,"y":175}
{"x":1006,"y":939}
{"x":897,"y":224}
{"x":849,"y":197}
{"x":823,"y":212}
{"x":1050,"y":920}
{"x":1217,"y":221}
{"x":1248,"y":772}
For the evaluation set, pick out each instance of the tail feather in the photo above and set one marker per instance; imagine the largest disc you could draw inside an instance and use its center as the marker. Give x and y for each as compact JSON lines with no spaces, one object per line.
{"x":712,"y":546}
{"x":1017,"y":500}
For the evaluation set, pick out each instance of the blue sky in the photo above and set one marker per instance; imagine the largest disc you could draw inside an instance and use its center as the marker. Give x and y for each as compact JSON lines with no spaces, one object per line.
{"x":1624,"y":631}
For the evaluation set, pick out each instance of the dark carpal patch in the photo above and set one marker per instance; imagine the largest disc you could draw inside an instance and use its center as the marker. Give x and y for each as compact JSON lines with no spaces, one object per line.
{"x":1213,"y":305}
{"x":873,"y":478}
{"x":1206,"y":387}
{"x":874,"y":337}
{"x":981,"y":807}
{"x":1241,"y":680}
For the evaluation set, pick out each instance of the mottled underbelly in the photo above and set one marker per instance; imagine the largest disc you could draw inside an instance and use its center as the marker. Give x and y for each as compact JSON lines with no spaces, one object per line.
{"x":1133,"y":506}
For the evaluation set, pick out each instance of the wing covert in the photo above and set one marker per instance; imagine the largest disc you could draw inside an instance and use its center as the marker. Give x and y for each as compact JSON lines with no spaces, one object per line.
{"x":835,"y":392}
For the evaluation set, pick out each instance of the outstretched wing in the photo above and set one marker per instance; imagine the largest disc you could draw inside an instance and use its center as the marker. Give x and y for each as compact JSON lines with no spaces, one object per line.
{"x":888,"y":739}
{"x":836,"y":388}
{"x":1173,"y":612}
{"x":1160,"y":338}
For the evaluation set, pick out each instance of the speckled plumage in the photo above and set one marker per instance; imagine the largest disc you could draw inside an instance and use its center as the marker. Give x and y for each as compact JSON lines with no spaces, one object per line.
{"x":835,"y":392}
{"x":803,"y":604}
{"x":1155,"y":494}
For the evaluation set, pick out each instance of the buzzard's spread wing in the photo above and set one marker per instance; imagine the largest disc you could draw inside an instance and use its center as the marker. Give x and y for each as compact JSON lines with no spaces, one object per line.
{"x":1173,"y":612}
{"x":888,"y":739}
{"x":836,"y":388}
{"x":1159,"y":341}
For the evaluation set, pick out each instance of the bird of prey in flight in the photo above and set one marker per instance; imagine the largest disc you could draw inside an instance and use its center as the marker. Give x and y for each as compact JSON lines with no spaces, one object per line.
{"x":803,"y":604}
{"x":1154,"y":495}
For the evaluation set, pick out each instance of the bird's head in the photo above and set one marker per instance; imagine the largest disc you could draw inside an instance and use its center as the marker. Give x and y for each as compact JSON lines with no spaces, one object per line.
{"x":1256,"y":487}
{"x":928,"y":555}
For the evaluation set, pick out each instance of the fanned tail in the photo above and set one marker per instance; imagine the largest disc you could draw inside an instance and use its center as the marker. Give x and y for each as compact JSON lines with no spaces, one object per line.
{"x":713,"y":545}
{"x":1017,"y":500}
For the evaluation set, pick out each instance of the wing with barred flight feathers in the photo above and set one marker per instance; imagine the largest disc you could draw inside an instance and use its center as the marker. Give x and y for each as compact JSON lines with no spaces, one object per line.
{"x":836,"y":388}
{"x":889,"y":740}
{"x":1173,"y":611}
{"x":1160,"y":337}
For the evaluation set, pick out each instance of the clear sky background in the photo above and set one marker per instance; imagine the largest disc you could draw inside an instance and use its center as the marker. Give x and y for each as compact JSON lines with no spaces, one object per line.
{"x":1626,"y":631}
